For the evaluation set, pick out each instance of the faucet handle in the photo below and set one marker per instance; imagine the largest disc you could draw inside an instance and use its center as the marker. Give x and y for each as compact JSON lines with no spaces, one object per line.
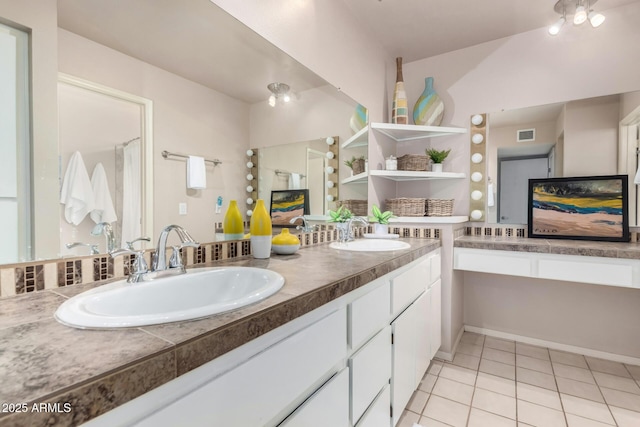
{"x":176,"y":258}
{"x":139,"y":265}
{"x":139,"y":239}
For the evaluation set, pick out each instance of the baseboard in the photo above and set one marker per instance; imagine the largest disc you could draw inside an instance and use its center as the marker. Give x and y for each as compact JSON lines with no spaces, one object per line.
{"x":555,"y":346}
{"x":449,"y":356}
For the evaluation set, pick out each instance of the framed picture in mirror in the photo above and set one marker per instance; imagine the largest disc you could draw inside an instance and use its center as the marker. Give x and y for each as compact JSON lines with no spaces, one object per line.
{"x":288,"y":204}
{"x":584,"y":208}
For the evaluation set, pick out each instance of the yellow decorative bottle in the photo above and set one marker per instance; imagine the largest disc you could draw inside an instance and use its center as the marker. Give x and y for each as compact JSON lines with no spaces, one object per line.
{"x":260,"y":229}
{"x":233,"y":226}
{"x":285,"y":243}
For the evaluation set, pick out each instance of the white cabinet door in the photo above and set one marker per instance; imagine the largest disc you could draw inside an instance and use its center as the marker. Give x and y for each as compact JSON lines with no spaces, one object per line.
{"x":369,"y":313}
{"x":329,"y":406}
{"x":435,"y":317}
{"x":403,"y":381}
{"x":407,"y":286}
{"x":423,"y":336}
{"x":378,"y":413}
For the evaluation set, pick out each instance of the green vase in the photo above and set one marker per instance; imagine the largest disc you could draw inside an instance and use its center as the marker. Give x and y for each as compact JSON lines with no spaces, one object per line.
{"x":429,"y":108}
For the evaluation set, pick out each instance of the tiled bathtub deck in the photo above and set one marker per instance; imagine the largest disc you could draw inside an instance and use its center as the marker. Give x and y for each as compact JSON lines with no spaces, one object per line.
{"x":494,"y":382}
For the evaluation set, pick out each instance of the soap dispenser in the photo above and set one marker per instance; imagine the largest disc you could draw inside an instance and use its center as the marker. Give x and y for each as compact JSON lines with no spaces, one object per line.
{"x":260,"y":229}
{"x":232,"y":226}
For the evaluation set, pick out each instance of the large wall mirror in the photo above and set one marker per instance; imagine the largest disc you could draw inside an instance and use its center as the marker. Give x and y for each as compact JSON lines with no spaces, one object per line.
{"x":206,"y":76}
{"x":594,"y":136}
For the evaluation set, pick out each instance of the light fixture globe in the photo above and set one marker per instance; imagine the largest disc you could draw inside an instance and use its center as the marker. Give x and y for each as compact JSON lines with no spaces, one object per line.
{"x":580,"y":16}
{"x":596,"y":19}
{"x":581,"y":11}
{"x":278,"y":90}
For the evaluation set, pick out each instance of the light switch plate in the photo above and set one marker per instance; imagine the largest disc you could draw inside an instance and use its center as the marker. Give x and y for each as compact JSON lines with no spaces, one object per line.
{"x":182,"y":208}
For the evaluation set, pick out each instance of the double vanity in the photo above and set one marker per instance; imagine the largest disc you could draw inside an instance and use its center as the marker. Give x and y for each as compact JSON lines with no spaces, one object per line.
{"x":324,"y":340}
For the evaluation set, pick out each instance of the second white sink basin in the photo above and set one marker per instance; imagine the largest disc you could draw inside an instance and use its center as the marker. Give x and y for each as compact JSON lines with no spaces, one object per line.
{"x":199,"y":293}
{"x":370,"y":245}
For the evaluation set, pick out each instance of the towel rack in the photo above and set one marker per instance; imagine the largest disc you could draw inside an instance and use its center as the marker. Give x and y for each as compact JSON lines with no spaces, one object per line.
{"x":281,"y":172}
{"x":166,"y":155}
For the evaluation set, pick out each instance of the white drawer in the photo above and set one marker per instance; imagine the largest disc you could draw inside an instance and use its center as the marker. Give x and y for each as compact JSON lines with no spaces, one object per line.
{"x":370,"y":372}
{"x":497,"y":262}
{"x":587,"y":271}
{"x":369,"y":313}
{"x":378,"y":413}
{"x":406,"y":287}
{"x":329,"y":406}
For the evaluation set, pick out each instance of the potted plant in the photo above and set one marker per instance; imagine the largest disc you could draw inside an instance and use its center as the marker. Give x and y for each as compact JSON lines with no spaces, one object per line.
{"x":380,"y":220}
{"x":437,"y":157}
{"x":340,"y":217}
{"x":356,"y":164}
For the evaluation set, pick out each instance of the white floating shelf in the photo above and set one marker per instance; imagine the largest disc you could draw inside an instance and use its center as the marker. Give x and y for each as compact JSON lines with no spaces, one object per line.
{"x":361,"y":178}
{"x":401,"y":133}
{"x":429,"y":219}
{"x":360,"y":139}
{"x":415,"y":175}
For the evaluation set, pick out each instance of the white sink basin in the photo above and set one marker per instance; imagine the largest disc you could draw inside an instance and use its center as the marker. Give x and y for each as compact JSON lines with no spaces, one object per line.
{"x":370,"y":245}
{"x":199,"y":293}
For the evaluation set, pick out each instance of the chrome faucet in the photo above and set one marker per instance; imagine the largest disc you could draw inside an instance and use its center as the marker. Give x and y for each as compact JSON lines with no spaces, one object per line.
{"x":92,"y":248}
{"x":139,"y":239}
{"x":305,"y":227}
{"x":347,"y":235}
{"x":139,"y":269}
{"x":106,"y":229}
{"x":160,"y":259}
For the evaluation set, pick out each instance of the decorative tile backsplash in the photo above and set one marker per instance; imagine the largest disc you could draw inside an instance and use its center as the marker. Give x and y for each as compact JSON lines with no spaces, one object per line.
{"x":521,"y":232}
{"x":38,"y":275}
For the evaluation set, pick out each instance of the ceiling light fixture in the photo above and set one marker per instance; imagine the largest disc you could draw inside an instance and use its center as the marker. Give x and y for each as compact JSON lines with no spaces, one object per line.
{"x":581,"y":11}
{"x":278,"y":91}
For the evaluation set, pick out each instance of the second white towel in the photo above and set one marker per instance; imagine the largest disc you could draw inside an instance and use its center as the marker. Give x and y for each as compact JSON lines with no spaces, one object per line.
{"x":294,"y":181}
{"x":76,"y":193}
{"x":103,"y":210}
{"x":196,"y":173}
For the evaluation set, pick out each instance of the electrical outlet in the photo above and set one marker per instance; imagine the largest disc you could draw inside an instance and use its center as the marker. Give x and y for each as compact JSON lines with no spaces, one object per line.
{"x":182,"y":208}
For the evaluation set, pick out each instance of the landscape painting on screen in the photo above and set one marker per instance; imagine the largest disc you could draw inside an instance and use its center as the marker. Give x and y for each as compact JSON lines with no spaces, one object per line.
{"x":288,"y":204}
{"x":587,"y":208}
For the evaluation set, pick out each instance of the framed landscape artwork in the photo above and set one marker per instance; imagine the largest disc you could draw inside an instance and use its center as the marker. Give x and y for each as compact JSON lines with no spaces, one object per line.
{"x":585,"y":208}
{"x":288,"y":204}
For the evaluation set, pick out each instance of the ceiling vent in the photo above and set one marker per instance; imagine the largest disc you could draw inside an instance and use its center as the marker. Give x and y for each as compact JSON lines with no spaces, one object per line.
{"x":526,"y":135}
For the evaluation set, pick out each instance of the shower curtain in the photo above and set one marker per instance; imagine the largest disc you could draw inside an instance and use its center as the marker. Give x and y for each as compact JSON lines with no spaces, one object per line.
{"x":131,"y":194}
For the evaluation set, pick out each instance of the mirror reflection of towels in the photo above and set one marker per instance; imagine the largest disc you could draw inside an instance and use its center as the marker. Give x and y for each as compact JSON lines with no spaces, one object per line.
{"x":294,"y":181}
{"x":196,"y":173}
{"x":76,"y":194}
{"x":103,"y":210}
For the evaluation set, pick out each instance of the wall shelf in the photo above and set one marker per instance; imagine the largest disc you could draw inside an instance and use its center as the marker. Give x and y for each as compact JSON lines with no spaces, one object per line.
{"x":401,"y":133}
{"x":360,"y":139}
{"x":415,"y":175}
{"x":361,"y":178}
{"x":429,"y":220}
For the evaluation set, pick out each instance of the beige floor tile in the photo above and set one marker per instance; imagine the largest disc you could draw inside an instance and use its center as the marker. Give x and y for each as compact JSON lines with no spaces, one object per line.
{"x":634,"y":370}
{"x":408,"y":419}
{"x":499,"y":356}
{"x":427,"y":383}
{"x":587,"y":408}
{"x":496,"y":384}
{"x":418,"y":401}
{"x":479,"y":418}
{"x":497,"y":368}
{"x":621,"y":399}
{"x":573,"y":373}
{"x":539,"y":416}
{"x":470,"y":349}
{"x":539,"y":396}
{"x":617,"y":383}
{"x":625,"y":418}
{"x":446,"y":411}
{"x":457,"y":373}
{"x":495,"y":403}
{"x":536,"y":378}
{"x":472,"y":338}
{"x":435,"y":367}
{"x":453,"y":390}
{"x":430,"y":422}
{"x":571,"y":359}
{"x":532,"y":351}
{"x":534,"y":364}
{"x":500,"y":344}
{"x":579,"y":389}
{"x":576,"y":421}
{"x":466,"y":361}
{"x":607,"y":366}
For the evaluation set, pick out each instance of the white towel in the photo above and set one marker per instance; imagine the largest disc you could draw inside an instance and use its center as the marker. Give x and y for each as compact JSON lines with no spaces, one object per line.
{"x":131,"y":194}
{"x":76,"y":194}
{"x":196,"y":173}
{"x":294,"y":181}
{"x":490,"y":199}
{"x":103,"y":210}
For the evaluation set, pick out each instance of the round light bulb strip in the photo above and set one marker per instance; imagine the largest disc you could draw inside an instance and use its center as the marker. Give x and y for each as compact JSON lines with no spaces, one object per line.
{"x":253,"y":157}
{"x":331,"y":172}
{"x":478,"y":166}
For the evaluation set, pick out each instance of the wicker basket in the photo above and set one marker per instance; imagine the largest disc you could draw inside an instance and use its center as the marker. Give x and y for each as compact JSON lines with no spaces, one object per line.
{"x":358,"y":166}
{"x":357,"y":207}
{"x":406,"y":206}
{"x":413,"y":162}
{"x":439,"y":207}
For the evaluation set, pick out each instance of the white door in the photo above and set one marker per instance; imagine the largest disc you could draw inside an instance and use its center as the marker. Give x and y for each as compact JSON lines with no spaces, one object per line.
{"x":514,"y":187}
{"x":435,"y":318}
{"x":423,"y":336}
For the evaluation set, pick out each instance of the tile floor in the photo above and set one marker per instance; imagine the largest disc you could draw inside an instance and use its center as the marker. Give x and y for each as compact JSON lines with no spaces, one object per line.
{"x":493,"y":382}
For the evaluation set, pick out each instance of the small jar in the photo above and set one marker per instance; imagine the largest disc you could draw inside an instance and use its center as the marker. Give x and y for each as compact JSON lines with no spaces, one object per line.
{"x":391,"y":163}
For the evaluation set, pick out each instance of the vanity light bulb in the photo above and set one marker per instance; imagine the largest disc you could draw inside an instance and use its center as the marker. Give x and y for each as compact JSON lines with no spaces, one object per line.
{"x":330,"y":155}
{"x":477,"y":138}
{"x":249,"y":189}
{"x":249,"y":153}
{"x":476,"y":214}
{"x":249,"y":212}
{"x":330,"y":140}
{"x":330,"y":184}
{"x":329,"y":198}
{"x":249,"y":201}
{"x":286,"y":97}
{"x":330,"y":169}
{"x":476,"y":177}
{"x":249,"y":165}
{"x":272,"y":100}
{"x":477,"y":120}
{"x":249,"y":177}
{"x":476,"y":158}
{"x":476,"y":195}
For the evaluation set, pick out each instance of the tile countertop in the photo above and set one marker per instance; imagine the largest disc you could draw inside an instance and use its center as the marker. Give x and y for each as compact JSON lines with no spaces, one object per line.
{"x":623,"y":250}
{"x":93,"y":371}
